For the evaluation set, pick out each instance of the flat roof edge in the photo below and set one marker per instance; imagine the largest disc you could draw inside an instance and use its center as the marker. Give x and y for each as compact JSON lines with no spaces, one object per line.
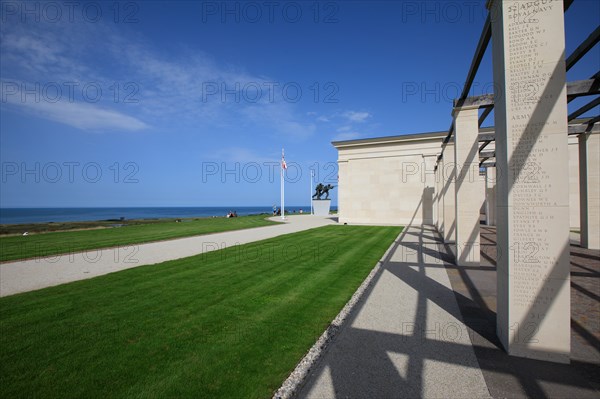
{"x":390,"y":139}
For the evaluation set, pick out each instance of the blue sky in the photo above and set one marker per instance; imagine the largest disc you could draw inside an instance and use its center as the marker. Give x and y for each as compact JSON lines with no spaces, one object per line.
{"x":189,"y":103}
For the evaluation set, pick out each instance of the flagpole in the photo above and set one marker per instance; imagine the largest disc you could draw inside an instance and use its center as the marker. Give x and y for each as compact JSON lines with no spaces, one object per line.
{"x":312,"y":173}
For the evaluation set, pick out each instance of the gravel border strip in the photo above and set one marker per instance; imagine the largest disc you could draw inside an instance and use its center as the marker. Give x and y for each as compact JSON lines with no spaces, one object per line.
{"x":296,"y":379}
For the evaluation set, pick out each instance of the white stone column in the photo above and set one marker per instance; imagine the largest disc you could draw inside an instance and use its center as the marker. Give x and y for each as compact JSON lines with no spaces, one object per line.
{"x":342,"y":189}
{"x":448,"y":179}
{"x":574,"y":219}
{"x":435,"y":194}
{"x":428,"y":177}
{"x":438,"y":196}
{"x":468,"y":190}
{"x":589,"y":189}
{"x":435,"y":199}
{"x":438,"y":189}
{"x":490,"y":196}
{"x":442,"y":196}
{"x":533,"y":303}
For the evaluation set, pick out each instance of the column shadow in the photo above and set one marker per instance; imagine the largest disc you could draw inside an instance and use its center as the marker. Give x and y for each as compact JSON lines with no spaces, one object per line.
{"x":363,"y":362}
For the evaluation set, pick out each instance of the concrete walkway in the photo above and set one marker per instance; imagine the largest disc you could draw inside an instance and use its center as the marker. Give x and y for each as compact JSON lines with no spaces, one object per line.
{"x":426,"y":328}
{"x":406,"y":338}
{"x":29,"y":275}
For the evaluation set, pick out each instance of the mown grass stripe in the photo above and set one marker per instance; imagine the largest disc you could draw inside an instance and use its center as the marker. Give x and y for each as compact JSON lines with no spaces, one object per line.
{"x":63,"y":242}
{"x":204,"y":326}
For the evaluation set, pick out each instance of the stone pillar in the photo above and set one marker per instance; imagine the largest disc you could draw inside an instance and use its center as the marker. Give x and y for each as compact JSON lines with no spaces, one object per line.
{"x":342,"y":189}
{"x":435,"y":198}
{"x":589,"y":189}
{"x":448,"y":179}
{"x":440,"y":198}
{"x":533,"y":303}
{"x":481,"y":191}
{"x":468,"y":190}
{"x":428,"y":177}
{"x":490,"y":196}
{"x":575,"y":214}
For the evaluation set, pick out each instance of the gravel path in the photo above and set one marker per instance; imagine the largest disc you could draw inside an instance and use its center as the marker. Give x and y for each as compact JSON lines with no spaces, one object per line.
{"x":33,"y":274}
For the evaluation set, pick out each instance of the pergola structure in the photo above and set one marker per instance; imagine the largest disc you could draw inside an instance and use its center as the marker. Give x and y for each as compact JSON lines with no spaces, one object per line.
{"x":526,"y":173}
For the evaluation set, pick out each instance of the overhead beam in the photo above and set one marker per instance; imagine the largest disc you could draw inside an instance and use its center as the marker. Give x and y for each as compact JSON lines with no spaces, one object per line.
{"x":581,"y":88}
{"x":585,"y":108}
{"x":594,"y":120}
{"x":596,"y":77}
{"x":488,"y":136}
{"x":484,"y":40}
{"x":578,"y":88}
{"x":482,"y":101}
{"x":567,"y":4}
{"x":583,"y":48}
{"x":447,"y":138}
{"x":576,"y":127}
{"x":484,"y":115}
{"x":585,"y":127}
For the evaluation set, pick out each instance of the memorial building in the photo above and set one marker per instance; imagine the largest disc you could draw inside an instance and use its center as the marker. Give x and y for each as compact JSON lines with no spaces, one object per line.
{"x":535,"y":174}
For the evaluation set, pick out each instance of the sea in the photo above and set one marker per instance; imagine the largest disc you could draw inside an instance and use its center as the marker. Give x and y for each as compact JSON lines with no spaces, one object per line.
{"x":46,"y":215}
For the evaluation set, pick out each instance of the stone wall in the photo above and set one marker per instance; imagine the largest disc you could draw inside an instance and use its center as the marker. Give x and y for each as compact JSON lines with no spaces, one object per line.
{"x":388,"y":180}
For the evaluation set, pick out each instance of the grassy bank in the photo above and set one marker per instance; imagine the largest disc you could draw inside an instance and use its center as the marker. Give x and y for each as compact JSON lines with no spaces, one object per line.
{"x":227,"y":324}
{"x":60,"y":242}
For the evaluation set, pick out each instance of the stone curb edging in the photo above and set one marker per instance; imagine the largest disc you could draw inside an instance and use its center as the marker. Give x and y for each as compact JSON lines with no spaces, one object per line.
{"x":296,"y":379}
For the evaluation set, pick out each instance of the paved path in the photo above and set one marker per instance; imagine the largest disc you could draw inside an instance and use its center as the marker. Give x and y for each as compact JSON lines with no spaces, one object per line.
{"x":406,"y":338}
{"x":29,"y":275}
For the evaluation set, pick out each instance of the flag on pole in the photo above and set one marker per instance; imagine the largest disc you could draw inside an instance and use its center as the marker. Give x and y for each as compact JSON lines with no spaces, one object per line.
{"x":283,"y":164}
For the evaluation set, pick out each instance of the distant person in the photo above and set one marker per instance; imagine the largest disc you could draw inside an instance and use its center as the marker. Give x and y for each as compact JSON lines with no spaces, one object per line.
{"x":300,"y":211}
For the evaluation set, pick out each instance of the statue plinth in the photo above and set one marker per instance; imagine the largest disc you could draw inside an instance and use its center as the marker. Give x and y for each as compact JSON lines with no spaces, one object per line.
{"x":321,"y":207}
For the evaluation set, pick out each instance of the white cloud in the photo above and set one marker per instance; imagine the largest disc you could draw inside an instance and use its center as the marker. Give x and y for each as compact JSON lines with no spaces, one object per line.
{"x":47,"y":51}
{"x":88,"y":117}
{"x":172,"y":87}
{"x":347,"y":116}
{"x":278,"y":119}
{"x":354,"y":116}
{"x":84,"y":116}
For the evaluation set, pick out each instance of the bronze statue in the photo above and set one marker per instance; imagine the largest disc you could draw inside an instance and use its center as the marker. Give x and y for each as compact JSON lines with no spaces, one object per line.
{"x":321,"y":190}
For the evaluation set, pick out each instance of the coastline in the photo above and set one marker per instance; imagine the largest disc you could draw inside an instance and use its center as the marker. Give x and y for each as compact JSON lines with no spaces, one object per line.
{"x":30,"y":216}
{"x":7,"y":230}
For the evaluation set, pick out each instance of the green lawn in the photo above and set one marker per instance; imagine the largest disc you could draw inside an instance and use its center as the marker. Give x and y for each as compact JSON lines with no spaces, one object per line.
{"x":226,"y":324}
{"x":37,"y":245}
